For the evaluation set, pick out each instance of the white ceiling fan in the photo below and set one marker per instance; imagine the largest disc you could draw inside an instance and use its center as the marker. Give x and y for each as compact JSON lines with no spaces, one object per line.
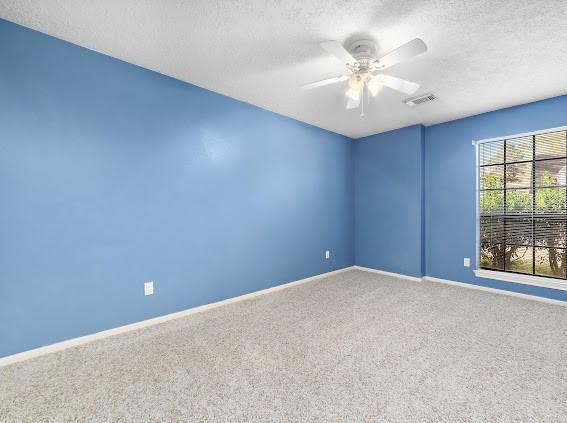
{"x":364,"y":69}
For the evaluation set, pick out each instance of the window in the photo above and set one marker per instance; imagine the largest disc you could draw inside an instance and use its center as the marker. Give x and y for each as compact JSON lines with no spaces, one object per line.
{"x":522,"y":206}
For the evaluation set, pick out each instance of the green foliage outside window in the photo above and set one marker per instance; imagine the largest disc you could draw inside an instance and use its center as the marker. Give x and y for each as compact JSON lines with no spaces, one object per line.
{"x":496,"y":254}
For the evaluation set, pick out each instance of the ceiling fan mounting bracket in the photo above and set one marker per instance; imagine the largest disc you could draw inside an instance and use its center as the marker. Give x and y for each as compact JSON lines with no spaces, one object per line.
{"x":362,"y":48}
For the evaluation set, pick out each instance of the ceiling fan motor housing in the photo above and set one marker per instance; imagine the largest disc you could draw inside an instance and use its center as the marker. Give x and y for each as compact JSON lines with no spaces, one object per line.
{"x":364,"y":51}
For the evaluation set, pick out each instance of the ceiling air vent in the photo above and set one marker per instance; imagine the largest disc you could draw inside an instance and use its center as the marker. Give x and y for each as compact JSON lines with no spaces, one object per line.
{"x":425,"y":98}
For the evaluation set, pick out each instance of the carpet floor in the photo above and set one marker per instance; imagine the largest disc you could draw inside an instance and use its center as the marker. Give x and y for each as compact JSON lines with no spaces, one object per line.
{"x":351,"y":347}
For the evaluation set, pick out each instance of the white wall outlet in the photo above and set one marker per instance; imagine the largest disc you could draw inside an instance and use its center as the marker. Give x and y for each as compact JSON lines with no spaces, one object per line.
{"x":149,"y":288}
{"x":467,"y":262}
{"x":327,"y":254}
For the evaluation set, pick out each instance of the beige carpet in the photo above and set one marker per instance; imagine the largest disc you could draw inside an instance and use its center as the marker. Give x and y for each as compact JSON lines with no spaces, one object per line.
{"x":352,"y":347}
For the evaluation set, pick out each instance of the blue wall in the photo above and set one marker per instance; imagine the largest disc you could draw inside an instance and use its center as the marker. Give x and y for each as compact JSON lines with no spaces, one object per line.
{"x":112,"y":175}
{"x":415,"y":194}
{"x":389,"y":201}
{"x":450,"y":184}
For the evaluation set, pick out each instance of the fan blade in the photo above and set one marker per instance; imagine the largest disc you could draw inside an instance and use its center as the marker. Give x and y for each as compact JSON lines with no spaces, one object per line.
{"x":336,"y":49}
{"x":324,"y":82}
{"x":397,"y":84}
{"x":404,"y":52}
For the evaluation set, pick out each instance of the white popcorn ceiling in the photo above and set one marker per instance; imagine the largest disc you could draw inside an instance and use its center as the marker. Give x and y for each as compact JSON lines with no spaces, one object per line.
{"x":483,"y":55}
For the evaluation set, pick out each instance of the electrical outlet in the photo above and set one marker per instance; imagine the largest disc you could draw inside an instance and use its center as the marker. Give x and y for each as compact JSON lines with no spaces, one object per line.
{"x":467,"y":262}
{"x":149,"y":288}
{"x":327,"y":254}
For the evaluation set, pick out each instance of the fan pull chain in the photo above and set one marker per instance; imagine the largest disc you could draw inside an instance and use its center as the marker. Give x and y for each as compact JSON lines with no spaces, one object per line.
{"x":362,"y":101}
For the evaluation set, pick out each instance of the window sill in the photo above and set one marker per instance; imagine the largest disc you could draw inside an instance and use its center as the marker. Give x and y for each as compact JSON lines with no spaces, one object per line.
{"x":523,"y":279}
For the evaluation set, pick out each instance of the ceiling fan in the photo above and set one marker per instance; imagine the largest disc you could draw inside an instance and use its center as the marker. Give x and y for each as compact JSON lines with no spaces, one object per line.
{"x":364,"y":69}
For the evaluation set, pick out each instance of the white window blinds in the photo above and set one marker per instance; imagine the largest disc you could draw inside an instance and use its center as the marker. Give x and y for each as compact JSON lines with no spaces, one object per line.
{"x":523,"y":219}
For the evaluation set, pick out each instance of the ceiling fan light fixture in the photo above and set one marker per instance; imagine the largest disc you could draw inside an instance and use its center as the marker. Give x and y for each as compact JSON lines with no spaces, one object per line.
{"x":353,"y":94}
{"x":374,"y":86}
{"x":355,"y":82}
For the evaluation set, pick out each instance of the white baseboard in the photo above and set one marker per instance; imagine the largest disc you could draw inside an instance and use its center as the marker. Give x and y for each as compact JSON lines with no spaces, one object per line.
{"x":383,"y":272}
{"x":15,"y":358}
{"x":465,"y":285}
{"x":59,"y":346}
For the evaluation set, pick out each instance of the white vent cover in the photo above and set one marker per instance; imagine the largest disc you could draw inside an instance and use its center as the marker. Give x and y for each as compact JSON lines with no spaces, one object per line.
{"x":424,"y":98}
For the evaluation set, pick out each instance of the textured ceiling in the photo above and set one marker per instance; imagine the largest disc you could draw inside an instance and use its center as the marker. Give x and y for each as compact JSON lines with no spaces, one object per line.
{"x":483,"y":54}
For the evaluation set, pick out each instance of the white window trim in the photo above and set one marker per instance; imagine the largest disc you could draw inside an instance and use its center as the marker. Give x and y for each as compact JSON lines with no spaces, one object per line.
{"x":533,"y":280}
{"x":541,"y":281}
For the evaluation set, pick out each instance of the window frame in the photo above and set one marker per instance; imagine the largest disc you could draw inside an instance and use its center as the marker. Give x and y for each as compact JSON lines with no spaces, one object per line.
{"x":525,"y":279}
